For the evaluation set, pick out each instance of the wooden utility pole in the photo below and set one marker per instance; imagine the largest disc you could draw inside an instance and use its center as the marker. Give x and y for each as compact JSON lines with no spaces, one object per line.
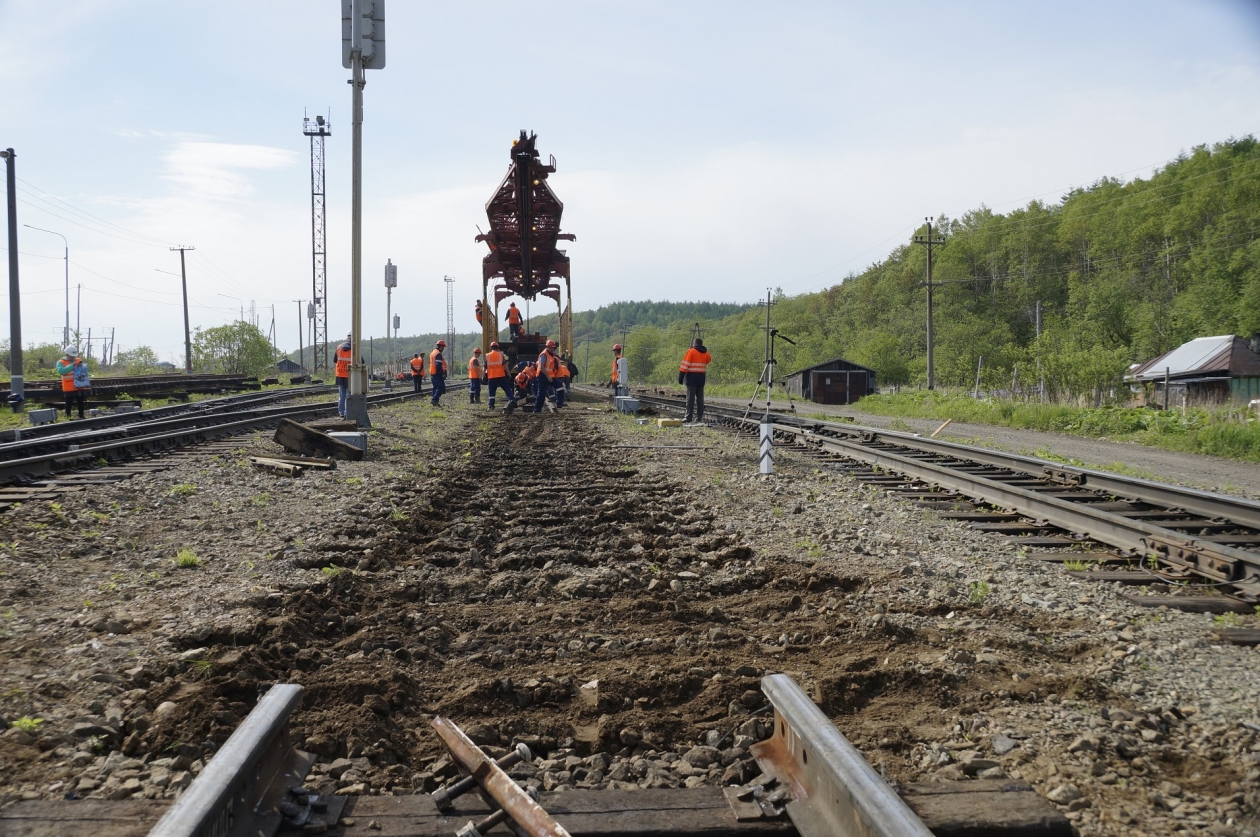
{"x":929,"y":241}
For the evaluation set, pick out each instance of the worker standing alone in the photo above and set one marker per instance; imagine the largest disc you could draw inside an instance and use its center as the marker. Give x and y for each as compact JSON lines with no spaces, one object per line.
{"x":514,"y":321}
{"x":497,"y":376}
{"x":74,"y":379}
{"x":437,"y":372}
{"x":475,"y":374}
{"x":691,"y":372}
{"x":341,"y":370}
{"x":417,"y":372}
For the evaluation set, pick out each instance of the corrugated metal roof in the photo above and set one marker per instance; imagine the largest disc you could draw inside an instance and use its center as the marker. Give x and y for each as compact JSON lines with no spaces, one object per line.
{"x":1226,"y":354}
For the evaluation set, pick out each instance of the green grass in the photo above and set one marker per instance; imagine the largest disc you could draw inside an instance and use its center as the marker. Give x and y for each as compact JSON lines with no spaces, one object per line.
{"x":184,"y":489}
{"x":1223,"y":432}
{"x":28,"y":724}
{"x":187,"y":560}
{"x":978,"y":591}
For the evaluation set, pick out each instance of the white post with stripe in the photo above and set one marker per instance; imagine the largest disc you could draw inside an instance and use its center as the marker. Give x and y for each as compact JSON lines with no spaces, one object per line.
{"x":767,"y":445}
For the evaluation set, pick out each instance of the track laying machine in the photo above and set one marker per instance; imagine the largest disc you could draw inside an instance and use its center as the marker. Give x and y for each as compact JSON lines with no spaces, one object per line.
{"x":523,"y":260}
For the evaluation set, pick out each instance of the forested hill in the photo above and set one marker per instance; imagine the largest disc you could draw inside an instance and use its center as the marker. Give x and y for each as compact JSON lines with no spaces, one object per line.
{"x":1124,"y":271}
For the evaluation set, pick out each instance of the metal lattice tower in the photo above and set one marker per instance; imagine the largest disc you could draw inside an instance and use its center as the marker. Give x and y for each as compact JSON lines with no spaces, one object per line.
{"x":450,"y":313}
{"x":317,"y":129}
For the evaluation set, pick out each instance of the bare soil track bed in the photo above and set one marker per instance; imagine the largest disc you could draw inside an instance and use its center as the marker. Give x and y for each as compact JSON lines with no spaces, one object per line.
{"x":613,"y":608}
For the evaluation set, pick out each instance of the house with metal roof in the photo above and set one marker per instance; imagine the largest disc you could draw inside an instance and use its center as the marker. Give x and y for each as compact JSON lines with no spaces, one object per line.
{"x":1206,"y":370}
{"x":834,"y":382}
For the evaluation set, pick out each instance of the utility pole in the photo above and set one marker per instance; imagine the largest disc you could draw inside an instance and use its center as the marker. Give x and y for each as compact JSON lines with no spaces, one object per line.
{"x":391,"y":282}
{"x":363,"y":48}
{"x":65,"y":334}
{"x":78,"y":311}
{"x":183,"y":281}
{"x":929,"y":241}
{"x":1041,"y":380}
{"x":16,"y":392}
{"x":450,"y":311}
{"x":301,"y":340}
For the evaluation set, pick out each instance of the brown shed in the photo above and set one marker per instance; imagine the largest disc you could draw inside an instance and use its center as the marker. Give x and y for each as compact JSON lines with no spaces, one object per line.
{"x":834,"y":382}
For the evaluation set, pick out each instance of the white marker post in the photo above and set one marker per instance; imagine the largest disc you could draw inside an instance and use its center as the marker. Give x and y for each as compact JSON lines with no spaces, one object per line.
{"x":767,"y":444}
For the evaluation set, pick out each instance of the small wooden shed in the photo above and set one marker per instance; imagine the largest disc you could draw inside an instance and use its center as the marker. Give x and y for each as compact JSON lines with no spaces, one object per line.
{"x":834,"y":382}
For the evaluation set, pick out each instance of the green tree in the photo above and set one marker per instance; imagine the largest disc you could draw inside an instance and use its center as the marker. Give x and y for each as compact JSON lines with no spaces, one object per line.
{"x":141,"y":360}
{"x":233,"y":349}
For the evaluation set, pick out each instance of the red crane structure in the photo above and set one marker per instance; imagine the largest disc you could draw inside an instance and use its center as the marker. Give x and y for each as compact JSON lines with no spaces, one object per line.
{"x":524,"y":219}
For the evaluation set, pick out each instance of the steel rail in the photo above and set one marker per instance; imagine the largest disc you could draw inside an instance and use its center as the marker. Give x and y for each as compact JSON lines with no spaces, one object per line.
{"x":235,"y":795}
{"x":1222,"y":563}
{"x":45,"y":434}
{"x":835,"y":791}
{"x":37,"y":466}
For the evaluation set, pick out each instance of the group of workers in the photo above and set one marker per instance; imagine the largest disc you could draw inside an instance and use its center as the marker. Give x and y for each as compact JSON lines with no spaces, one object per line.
{"x":547,"y":379}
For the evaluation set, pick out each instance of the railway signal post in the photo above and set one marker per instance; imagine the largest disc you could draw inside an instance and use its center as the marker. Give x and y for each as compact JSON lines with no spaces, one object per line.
{"x":16,"y":395}
{"x":391,"y":282}
{"x":362,"y":48}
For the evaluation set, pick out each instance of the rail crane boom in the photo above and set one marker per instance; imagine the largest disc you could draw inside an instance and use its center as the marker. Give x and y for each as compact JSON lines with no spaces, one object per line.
{"x":523,"y":261}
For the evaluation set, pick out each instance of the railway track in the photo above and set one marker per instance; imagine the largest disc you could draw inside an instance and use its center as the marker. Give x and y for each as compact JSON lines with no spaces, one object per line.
{"x":1166,"y":534}
{"x":36,"y":468}
{"x":45,"y":391}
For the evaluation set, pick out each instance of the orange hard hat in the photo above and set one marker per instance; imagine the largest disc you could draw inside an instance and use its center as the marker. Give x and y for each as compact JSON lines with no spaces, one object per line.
{"x":551,"y":344}
{"x":494,"y":345}
{"x":441,"y":342}
{"x":476,"y":351}
{"x":617,"y":347}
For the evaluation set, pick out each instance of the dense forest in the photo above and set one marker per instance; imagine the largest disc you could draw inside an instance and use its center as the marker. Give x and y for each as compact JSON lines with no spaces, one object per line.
{"x":1124,"y":272}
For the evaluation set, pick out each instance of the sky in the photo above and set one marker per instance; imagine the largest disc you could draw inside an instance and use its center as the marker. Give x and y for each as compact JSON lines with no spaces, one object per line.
{"x":705,"y":150}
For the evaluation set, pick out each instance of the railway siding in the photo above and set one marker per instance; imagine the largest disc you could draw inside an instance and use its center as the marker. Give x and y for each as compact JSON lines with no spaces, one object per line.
{"x":565,"y":582}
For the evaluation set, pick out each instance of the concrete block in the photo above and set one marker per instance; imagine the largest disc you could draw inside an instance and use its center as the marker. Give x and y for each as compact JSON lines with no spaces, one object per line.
{"x":627,"y":404}
{"x":126,"y":408}
{"x":45,"y":416}
{"x":669,"y":422}
{"x":356,"y":438}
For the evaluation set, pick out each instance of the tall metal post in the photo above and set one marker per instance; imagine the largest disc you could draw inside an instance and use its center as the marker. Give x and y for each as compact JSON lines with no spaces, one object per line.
{"x":929,"y":241}
{"x":16,"y":392}
{"x":356,"y":404}
{"x":183,"y":281}
{"x":391,"y":282}
{"x":450,"y":313}
{"x":317,"y":129}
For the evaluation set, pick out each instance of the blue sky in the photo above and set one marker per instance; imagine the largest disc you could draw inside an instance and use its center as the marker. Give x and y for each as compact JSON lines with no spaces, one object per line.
{"x":705,"y":149}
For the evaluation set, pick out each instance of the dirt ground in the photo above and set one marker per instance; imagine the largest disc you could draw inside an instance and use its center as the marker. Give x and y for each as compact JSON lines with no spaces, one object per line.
{"x":606,"y":592}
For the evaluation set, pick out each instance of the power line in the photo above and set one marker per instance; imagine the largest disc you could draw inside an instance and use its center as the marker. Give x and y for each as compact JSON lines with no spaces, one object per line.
{"x":72,"y":207}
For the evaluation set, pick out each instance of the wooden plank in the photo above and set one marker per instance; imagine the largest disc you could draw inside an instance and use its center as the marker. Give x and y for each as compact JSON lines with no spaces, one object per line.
{"x":985,"y":808}
{"x":298,"y":438}
{"x":1119,"y":577}
{"x":333,"y":425}
{"x":306,"y":461}
{"x":608,"y":813}
{"x":95,"y":817}
{"x":1096,"y":557}
{"x":1193,"y":604}
{"x":284,"y":469}
{"x":1238,"y":636}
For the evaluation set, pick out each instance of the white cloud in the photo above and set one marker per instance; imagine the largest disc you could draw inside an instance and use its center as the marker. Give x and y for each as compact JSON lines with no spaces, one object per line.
{"x":210,"y":169}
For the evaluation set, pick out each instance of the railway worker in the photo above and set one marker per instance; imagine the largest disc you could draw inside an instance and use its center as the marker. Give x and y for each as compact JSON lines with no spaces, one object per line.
{"x":564,"y":374}
{"x":524,"y":380}
{"x":478,"y":312}
{"x":437,"y":372}
{"x":475,"y":375}
{"x":74,"y":379}
{"x":417,"y":372}
{"x":497,"y":375}
{"x":514,"y":321}
{"x":691,"y":372}
{"x":621,"y":369}
{"x":341,"y":359}
{"x":548,"y":370}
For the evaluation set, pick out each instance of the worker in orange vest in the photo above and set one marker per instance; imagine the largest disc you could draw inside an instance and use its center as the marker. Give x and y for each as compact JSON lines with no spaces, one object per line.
{"x":417,"y":372}
{"x":341,"y":359}
{"x":563,"y":376}
{"x":514,"y":321}
{"x":691,"y":372}
{"x":619,"y":377}
{"x":478,"y":312}
{"x":437,"y":372}
{"x":497,"y":375}
{"x":548,"y":368}
{"x":475,"y":374}
{"x":67,"y":368}
{"x":524,"y":380}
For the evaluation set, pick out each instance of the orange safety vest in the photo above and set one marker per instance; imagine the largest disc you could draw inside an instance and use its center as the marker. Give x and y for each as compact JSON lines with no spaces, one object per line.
{"x":514,"y":315}
{"x":474,"y":368}
{"x":496,"y":364}
{"x":562,"y":371}
{"x":695,"y":361}
{"x":342,"y":357}
{"x":527,"y":374}
{"x":67,"y":378}
{"x":417,"y":367}
{"x":548,"y":364}
{"x":614,"y":375}
{"x":435,"y":357}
